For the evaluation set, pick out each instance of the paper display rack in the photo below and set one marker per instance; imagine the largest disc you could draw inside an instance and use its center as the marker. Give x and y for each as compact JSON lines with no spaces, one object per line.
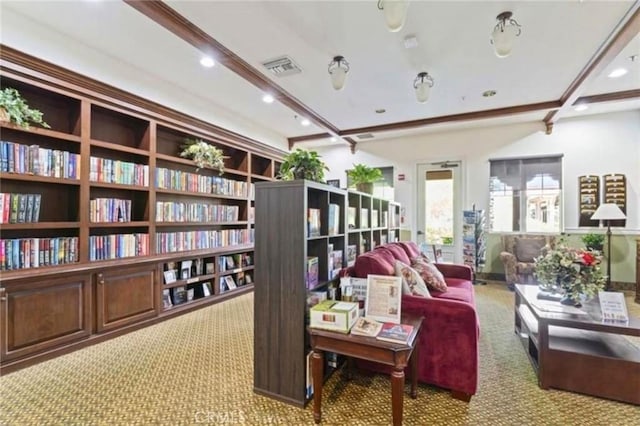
{"x":473,"y":240}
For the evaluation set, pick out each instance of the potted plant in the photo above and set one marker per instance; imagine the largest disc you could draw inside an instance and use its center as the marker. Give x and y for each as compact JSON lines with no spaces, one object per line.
{"x":363,"y":177}
{"x":203,"y":154}
{"x":302,"y":164}
{"x":593,"y":241}
{"x":14,"y":109}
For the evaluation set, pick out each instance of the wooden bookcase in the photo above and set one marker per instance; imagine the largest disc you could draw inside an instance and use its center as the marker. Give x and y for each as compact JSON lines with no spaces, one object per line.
{"x":117,"y":207}
{"x":283,"y":244}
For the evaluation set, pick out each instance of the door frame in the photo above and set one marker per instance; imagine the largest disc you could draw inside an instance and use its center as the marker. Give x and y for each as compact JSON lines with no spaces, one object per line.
{"x":458,"y":199}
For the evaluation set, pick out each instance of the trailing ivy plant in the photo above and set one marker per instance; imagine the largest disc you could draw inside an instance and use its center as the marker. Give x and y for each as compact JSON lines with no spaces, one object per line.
{"x":302,"y":164}
{"x":203,"y":154}
{"x":18,"y":111}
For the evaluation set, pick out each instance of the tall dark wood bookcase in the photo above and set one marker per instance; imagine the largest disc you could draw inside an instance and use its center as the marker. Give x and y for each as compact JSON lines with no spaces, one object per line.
{"x":282,"y":246}
{"x":93,"y":276}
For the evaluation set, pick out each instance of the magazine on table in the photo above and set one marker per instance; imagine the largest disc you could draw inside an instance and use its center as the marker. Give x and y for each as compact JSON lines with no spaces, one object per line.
{"x":395,"y":333}
{"x":366,"y":327}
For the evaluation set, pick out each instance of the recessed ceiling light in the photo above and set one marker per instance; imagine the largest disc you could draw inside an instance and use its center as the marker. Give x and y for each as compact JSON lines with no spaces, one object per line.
{"x":618,"y":72}
{"x":581,"y":107}
{"x":207,"y":61}
{"x":334,"y":139}
{"x":381,"y":111}
{"x":489,"y":93}
{"x":267,"y":99}
{"x":305,"y":122}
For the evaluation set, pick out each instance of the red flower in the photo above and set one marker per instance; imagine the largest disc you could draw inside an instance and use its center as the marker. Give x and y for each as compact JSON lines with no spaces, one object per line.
{"x":588,"y":259}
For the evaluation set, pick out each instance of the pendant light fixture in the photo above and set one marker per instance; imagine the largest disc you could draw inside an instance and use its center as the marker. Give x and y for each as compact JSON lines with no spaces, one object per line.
{"x":338,"y":69}
{"x":423,"y":84}
{"x":395,"y":13}
{"x":504,"y":34}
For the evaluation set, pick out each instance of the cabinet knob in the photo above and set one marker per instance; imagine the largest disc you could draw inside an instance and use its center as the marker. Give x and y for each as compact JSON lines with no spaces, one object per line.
{"x":3,"y":294}
{"x":100,"y":279}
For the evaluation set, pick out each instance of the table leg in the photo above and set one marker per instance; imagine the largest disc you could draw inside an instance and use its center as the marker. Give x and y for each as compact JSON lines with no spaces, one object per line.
{"x":397,"y":390}
{"x":348,"y":369}
{"x":318,"y":373}
{"x":414,"y":370}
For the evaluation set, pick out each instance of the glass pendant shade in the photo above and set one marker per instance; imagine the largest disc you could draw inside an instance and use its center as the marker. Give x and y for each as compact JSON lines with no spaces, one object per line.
{"x":395,"y":13}
{"x":338,"y":77}
{"x":422,"y":85}
{"x":503,"y":39}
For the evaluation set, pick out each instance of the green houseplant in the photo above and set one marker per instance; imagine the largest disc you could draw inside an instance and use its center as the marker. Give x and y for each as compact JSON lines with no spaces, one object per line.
{"x":593,"y":241}
{"x":14,"y":108}
{"x":363,"y":177}
{"x":203,"y":154}
{"x":302,"y":164}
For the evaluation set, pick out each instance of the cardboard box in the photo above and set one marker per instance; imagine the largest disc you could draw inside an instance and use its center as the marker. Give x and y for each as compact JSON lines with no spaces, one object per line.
{"x":334,"y":315}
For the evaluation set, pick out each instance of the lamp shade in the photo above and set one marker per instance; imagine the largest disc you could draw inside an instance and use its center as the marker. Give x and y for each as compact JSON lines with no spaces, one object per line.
{"x":504,"y":34}
{"x":395,"y":13}
{"x":608,"y":211}
{"x":422,"y":92}
{"x":338,"y":77}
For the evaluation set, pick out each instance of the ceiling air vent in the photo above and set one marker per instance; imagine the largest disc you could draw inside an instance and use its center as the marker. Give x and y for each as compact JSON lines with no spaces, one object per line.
{"x":364,"y":136}
{"x":282,"y":66}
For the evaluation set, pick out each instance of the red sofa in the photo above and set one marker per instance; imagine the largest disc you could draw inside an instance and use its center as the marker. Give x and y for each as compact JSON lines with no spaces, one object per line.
{"x":450,"y":331}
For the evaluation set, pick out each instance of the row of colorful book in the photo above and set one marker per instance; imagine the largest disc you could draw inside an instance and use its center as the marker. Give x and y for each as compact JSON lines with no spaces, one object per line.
{"x":19,"y":208}
{"x":106,"y":170}
{"x":170,"y":211}
{"x":193,"y":182}
{"x":25,"y":253}
{"x":170,"y":242}
{"x":109,"y":210}
{"x":118,"y":246}
{"x":31,"y":159}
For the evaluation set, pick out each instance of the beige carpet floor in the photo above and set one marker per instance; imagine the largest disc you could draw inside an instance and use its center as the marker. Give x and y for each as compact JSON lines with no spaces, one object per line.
{"x":197,"y":369}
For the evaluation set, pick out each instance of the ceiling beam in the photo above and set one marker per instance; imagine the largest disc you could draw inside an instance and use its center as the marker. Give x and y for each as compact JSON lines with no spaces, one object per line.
{"x":628,"y":28}
{"x":177,"y":24}
{"x":608,"y":97}
{"x":467,"y":116}
{"x":292,"y":141}
{"x":352,"y":143}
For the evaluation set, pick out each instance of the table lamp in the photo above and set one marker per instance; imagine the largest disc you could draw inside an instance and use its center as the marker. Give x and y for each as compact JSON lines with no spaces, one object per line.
{"x":608,"y":212}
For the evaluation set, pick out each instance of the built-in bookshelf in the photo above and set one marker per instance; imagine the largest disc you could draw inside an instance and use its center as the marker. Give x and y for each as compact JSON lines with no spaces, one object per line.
{"x":305,"y":233}
{"x":96,"y":209}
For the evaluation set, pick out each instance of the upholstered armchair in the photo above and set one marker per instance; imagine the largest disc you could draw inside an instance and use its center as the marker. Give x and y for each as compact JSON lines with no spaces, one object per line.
{"x":518,"y":255}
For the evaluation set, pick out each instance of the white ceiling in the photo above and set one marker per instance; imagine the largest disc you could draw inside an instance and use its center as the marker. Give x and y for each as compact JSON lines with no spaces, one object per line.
{"x":558,"y":39}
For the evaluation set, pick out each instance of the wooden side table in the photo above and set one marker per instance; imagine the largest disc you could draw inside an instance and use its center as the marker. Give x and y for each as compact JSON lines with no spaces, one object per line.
{"x":370,"y":349}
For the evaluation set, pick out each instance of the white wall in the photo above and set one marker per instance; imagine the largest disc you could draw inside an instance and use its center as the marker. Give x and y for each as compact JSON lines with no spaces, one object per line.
{"x":596,"y":144}
{"x":25,"y":35}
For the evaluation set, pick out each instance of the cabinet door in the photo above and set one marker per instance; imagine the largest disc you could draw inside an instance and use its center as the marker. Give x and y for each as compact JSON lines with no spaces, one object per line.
{"x":37,"y":315}
{"x":125,"y":296}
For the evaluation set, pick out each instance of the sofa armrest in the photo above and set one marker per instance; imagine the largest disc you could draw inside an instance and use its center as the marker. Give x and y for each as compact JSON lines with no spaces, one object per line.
{"x":448,"y":341}
{"x":455,"y":271}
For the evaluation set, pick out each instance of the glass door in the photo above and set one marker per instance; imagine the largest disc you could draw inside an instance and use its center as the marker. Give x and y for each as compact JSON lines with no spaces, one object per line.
{"x":439,"y":205}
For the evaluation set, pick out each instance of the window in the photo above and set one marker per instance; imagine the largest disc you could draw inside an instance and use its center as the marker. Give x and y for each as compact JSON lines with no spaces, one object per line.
{"x":525,"y":194}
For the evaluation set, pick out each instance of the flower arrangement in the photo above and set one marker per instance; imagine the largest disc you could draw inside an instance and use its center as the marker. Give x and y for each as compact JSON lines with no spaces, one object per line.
{"x":203,"y":154}
{"x":576,"y":271}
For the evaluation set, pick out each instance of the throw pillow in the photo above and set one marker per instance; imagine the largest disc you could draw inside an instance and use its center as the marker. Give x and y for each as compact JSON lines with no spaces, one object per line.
{"x":430,"y":274}
{"x":412,"y":283}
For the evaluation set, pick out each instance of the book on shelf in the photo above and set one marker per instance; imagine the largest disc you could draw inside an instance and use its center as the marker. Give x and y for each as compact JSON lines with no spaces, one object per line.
{"x":209,"y":268}
{"x":334,"y":219}
{"x":314,"y":222}
{"x":366,"y":327}
{"x":312,"y":271}
{"x":240,"y":279}
{"x":231,"y":284}
{"x":166,"y":299}
{"x":190,"y":294}
{"x":248,"y":279}
{"x":179,"y":295}
{"x":308,"y":377}
{"x":352,"y":253}
{"x":185,"y":269}
{"x":170,"y":276}
{"x":364,"y":218}
{"x":352,"y":212}
{"x":334,"y":264}
{"x":374,"y":218}
{"x":395,"y":333}
{"x":206,"y":289}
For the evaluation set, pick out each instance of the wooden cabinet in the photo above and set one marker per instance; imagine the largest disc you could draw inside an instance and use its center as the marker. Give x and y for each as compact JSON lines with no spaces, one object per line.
{"x":38,"y":315}
{"x":125,"y":296}
{"x":287,"y":235}
{"x":105,"y":199}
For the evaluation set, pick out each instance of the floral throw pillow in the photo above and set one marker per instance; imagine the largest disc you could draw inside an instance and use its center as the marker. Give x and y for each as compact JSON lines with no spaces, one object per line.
{"x":412,"y":283}
{"x":430,"y":274}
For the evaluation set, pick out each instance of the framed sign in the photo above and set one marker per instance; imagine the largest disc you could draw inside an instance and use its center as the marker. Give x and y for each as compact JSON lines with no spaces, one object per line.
{"x":334,"y":182}
{"x":384,"y":295}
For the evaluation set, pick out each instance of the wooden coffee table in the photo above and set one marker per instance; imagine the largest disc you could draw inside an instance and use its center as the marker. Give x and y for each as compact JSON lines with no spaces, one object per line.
{"x":577,"y":350}
{"x":370,"y":349}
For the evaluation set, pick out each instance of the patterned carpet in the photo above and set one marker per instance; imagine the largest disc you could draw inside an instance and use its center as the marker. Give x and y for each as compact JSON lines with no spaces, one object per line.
{"x":197,"y":369}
